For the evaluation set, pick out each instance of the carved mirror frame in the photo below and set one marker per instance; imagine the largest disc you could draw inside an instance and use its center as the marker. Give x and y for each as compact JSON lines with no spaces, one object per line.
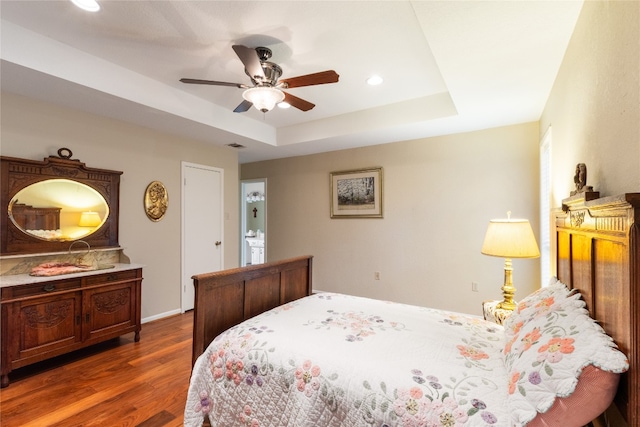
{"x":17,"y":174}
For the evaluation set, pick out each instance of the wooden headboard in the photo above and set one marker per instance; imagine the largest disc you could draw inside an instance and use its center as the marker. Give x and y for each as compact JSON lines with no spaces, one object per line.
{"x":598,"y":253}
{"x":225,"y":298}
{"x":30,"y":218}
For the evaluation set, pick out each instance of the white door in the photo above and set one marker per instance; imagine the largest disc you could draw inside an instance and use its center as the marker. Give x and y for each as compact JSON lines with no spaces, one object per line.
{"x":202,"y":225}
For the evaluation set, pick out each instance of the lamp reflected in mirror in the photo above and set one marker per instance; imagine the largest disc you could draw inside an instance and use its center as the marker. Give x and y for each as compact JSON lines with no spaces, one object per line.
{"x":89,"y":219}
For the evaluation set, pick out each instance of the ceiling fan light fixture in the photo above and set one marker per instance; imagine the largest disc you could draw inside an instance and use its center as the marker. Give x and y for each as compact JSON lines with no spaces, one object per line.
{"x":266,"y":88}
{"x":264,"y":98}
{"x":88,"y":5}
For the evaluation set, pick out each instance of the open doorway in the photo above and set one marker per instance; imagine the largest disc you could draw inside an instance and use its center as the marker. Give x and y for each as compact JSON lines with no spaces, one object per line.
{"x":253,"y":233}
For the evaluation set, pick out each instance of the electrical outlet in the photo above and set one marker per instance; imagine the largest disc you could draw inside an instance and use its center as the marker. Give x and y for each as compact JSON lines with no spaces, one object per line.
{"x":474,"y":286}
{"x":376,"y":275}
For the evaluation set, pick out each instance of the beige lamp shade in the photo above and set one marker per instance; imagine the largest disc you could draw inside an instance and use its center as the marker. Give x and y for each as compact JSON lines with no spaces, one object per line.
{"x":89,"y":219}
{"x":510,"y":238}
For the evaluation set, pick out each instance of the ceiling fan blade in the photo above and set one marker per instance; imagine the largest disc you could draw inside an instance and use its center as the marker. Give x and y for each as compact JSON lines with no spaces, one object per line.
{"x":213,"y":82}
{"x":320,"y":78}
{"x":249,"y":58}
{"x":244,"y":106}
{"x":299,"y":103}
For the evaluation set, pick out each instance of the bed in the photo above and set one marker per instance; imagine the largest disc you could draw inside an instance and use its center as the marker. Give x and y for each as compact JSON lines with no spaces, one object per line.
{"x":37,"y":221}
{"x":337,"y":360}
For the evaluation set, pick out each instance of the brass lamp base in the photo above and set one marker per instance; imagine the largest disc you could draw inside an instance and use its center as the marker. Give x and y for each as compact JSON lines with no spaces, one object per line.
{"x":506,"y":305}
{"x":508,"y":291}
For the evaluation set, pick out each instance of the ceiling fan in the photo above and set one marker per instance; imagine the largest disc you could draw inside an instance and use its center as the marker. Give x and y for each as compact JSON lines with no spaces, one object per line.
{"x":266,"y":89}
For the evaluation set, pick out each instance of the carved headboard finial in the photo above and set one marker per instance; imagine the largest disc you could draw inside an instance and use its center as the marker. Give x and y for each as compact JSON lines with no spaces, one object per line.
{"x":580,"y":179}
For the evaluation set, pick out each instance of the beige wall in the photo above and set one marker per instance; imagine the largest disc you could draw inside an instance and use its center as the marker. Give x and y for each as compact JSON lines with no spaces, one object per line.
{"x":439,"y":194}
{"x":594,"y":107}
{"x":35,"y":130}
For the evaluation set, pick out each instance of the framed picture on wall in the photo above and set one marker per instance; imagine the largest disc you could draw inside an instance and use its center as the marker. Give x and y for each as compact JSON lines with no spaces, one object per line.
{"x":357,"y":193}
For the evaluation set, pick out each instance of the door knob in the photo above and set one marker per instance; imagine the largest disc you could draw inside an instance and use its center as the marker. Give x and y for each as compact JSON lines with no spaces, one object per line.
{"x":218,"y":243}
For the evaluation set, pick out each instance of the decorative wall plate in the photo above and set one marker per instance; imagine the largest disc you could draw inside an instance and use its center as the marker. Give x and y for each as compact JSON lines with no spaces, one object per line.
{"x":156,"y":201}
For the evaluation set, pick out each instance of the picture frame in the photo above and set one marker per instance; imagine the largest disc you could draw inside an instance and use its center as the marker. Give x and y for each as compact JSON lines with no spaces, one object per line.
{"x":356,"y":193}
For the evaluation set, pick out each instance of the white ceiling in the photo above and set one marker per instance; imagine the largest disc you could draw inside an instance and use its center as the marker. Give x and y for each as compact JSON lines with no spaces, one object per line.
{"x":448,"y":66}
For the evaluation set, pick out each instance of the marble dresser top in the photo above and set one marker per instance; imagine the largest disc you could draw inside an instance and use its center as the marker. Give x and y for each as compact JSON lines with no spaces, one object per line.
{"x":25,"y":279}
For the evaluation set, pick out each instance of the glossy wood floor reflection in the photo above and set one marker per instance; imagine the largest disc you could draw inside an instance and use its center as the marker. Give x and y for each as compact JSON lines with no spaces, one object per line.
{"x":117,"y":383}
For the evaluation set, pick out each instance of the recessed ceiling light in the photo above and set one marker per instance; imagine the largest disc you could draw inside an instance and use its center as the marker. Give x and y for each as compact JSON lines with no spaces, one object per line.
{"x":374,"y":80}
{"x":88,"y":5}
{"x":284,"y":104}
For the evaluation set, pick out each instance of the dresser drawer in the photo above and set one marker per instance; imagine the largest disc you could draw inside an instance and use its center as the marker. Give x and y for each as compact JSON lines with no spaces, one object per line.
{"x":43,"y":288}
{"x":115,"y":276}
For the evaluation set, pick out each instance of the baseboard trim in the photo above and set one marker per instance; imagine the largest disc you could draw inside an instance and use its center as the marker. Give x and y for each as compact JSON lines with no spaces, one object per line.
{"x":160,"y":316}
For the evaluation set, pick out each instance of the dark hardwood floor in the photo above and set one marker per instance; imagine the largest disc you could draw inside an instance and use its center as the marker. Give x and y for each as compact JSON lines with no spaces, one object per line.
{"x":116,"y":383}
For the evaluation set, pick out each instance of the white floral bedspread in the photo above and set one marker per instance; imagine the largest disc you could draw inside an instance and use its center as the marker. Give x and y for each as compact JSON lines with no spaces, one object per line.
{"x":337,"y":360}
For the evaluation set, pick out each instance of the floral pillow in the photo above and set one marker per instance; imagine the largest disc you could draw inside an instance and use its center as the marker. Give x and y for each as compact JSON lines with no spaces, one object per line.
{"x":535,"y":303}
{"x":548,"y":348}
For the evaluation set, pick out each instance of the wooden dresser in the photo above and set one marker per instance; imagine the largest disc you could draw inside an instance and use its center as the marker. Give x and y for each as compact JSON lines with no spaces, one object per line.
{"x":47,"y":317}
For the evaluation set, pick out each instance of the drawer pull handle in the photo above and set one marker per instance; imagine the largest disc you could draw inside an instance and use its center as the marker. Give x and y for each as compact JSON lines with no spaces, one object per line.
{"x":86,"y":318}
{"x":112,"y":277}
{"x":78,"y":319}
{"x":49,"y":287}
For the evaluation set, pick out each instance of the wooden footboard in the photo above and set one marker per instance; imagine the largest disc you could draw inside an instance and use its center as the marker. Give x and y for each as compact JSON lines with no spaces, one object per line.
{"x":225,"y":298}
{"x":598,"y":252}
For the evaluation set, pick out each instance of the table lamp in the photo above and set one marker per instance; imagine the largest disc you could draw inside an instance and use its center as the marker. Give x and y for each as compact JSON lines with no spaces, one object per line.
{"x":509,"y":238}
{"x":89,"y":219}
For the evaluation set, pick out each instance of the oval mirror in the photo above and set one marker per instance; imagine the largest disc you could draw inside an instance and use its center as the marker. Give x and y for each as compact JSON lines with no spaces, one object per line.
{"x":58,"y":210}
